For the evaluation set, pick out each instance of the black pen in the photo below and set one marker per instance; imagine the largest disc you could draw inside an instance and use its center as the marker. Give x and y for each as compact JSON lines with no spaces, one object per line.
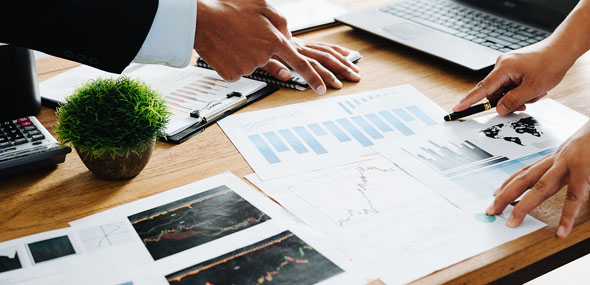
{"x":472,"y":110}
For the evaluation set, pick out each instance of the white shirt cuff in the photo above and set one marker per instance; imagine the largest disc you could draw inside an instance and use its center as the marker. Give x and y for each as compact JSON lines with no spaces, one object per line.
{"x":171,"y":38}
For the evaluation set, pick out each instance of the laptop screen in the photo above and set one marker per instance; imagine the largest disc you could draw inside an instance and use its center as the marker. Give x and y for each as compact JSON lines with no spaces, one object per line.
{"x":545,"y":13}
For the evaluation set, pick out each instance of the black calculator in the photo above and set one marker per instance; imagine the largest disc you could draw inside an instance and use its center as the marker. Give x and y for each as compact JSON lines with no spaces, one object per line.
{"x":26,"y":145}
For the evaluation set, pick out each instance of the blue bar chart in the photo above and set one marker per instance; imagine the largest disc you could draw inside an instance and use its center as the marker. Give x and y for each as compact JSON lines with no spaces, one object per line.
{"x":450,"y":158}
{"x":364,"y":130}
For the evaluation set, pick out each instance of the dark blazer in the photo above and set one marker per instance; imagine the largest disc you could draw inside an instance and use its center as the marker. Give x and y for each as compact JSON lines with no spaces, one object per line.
{"x":106,"y":34}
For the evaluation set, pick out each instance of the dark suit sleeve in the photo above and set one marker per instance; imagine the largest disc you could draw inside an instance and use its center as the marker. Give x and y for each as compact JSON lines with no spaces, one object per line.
{"x":106,"y":34}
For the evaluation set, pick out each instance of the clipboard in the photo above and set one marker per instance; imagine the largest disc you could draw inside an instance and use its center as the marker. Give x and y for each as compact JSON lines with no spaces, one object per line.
{"x":197,"y":128}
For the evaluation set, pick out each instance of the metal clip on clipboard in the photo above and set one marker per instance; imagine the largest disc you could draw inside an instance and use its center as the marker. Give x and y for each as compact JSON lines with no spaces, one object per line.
{"x":216,"y":108}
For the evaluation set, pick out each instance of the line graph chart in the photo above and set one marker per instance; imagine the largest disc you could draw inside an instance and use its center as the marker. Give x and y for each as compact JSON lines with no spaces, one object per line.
{"x":195,"y":220}
{"x":359,"y":191}
{"x":281,"y":259}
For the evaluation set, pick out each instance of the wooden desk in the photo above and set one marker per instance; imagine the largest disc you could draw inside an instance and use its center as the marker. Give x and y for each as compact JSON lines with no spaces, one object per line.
{"x":48,"y":199}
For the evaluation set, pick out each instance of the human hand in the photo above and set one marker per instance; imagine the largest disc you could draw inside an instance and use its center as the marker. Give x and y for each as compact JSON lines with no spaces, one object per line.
{"x":237,"y":36}
{"x":524,"y":75}
{"x":328,"y":60}
{"x":570,"y":165}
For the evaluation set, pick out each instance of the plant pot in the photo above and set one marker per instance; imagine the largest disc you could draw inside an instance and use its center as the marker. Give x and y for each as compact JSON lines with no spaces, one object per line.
{"x":120,"y":168}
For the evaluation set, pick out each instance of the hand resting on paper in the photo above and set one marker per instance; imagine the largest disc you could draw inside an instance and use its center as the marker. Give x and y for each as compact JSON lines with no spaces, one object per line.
{"x":328,"y":60}
{"x":569,"y":165}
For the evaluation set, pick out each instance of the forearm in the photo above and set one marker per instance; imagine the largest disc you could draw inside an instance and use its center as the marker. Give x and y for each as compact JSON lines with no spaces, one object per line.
{"x":571,"y":39}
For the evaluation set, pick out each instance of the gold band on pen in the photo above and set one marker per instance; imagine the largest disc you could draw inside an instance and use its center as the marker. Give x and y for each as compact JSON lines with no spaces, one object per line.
{"x":487,"y":106}
{"x":449,"y":116}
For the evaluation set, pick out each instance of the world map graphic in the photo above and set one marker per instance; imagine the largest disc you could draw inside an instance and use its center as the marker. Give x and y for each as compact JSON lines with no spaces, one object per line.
{"x":523,"y":126}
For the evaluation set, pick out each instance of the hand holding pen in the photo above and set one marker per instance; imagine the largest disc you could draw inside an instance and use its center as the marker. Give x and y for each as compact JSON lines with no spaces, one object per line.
{"x":524,"y":76}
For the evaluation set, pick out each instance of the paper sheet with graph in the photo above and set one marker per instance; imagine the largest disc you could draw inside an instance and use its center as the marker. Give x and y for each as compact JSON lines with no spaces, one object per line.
{"x":475,"y":157}
{"x":221,"y":231}
{"x":184,"y":89}
{"x":78,"y":255}
{"x":389,"y":219}
{"x":315,"y":135}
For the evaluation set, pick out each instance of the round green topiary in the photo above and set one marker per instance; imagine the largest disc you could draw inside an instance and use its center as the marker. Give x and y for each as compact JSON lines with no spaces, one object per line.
{"x":116,"y":116}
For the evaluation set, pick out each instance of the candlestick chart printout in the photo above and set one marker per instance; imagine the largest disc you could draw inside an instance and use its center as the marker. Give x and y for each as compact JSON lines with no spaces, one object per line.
{"x":195,"y":220}
{"x":280,"y":259}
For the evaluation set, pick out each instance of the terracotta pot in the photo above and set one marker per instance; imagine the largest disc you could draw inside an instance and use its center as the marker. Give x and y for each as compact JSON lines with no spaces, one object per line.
{"x":119,"y":168}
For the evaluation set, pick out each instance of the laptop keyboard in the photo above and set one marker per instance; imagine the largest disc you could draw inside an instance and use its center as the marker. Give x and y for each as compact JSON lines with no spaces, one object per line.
{"x":463,"y":22}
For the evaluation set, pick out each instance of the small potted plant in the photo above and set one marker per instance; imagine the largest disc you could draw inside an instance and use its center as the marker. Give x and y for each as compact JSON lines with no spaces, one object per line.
{"x":113,"y":124}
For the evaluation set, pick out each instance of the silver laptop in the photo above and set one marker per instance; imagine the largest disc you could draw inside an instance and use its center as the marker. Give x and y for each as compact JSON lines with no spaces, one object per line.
{"x":471,"y":33}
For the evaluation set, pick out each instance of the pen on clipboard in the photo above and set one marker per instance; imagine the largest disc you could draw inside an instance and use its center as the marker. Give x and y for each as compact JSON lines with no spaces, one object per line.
{"x":217,"y":108}
{"x":472,"y":110}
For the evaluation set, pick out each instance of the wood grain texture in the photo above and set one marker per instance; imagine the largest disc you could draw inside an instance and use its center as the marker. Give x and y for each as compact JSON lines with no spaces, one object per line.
{"x":48,"y":199}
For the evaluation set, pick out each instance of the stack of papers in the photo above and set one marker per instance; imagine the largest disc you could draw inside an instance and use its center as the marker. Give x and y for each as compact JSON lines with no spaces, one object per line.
{"x":373,"y":185}
{"x":215,"y":231}
{"x":382,"y":175}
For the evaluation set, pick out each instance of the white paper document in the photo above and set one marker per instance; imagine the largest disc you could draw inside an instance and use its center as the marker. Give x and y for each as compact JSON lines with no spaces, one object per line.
{"x":184,"y":89}
{"x":309,"y":136}
{"x":221,"y":231}
{"x":306,"y":14}
{"x":103,"y":253}
{"x":477,"y":156}
{"x":396,"y":225}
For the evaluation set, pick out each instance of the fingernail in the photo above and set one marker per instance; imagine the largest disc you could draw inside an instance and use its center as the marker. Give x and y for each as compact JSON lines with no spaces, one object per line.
{"x":337,"y":83}
{"x":511,"y":222}
{"x":284,"y":74}
{"x":354,"y":67}
{"x":561,"y":231}
{"x":497,"y":192}
{"x":501,"y":109}
{"x":320,"y":89}
{"x":490,"y":211}
{"x":353,"y":75}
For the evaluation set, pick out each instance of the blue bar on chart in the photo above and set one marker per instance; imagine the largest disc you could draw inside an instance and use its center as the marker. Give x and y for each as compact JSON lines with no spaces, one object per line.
{"x":310,"y":140}
{"x":404,"y":115}
{"x":345,"y":108}
{"x":317,"y":130}
{"x":364,"y":99}
{"x":293,"y":141}
{"x":367,"y":127}
{"x":264,"y":149}
{"x":395,"y":122}
{"x":336,"y":131}
{"x":350,"y":104}
{"x":378,"y":122}
{"x":348,"y":126}
{"x":357,"y":102}
{"x":421,"y":115}
{"x":276,"y":142}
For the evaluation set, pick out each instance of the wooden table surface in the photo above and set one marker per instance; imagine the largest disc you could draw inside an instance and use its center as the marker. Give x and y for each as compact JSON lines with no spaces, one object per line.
{"x":48,"y":199}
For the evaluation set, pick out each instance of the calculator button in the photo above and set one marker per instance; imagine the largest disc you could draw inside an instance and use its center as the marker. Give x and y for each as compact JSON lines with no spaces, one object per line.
{"x":5,"y":144}
{"x":37,"y":137}
{"x":34,"y":132}
{"x":20,"y":141}
{"x":30,"y":128}
{"x":26,"y":124}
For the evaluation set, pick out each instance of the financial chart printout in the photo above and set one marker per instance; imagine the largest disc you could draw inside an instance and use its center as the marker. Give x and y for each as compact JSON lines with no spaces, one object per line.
{"x":478,"y":155}
{"x":315,"y":135}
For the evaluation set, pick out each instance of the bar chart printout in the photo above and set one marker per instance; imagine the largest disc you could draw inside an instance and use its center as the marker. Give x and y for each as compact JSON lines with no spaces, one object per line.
{"x":451,"y":158}
{"x":280,"y":259}
{"x":302,"y":137}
